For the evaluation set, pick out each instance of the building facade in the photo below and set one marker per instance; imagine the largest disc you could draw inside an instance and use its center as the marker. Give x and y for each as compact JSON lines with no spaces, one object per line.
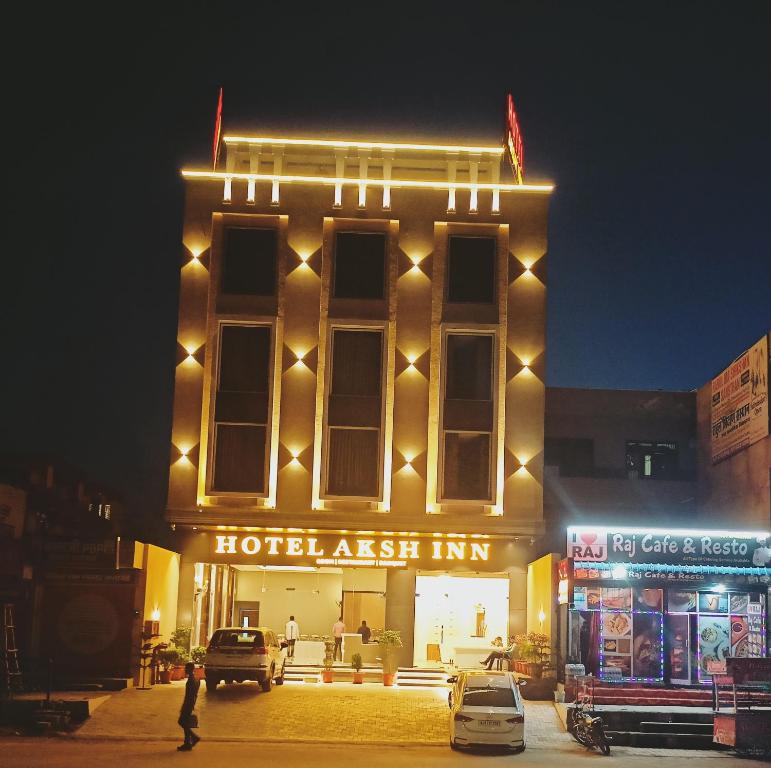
{"x":359,"y":398}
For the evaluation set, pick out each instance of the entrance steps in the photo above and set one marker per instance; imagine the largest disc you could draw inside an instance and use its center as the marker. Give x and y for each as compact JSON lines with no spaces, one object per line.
{"x":406,"y":676}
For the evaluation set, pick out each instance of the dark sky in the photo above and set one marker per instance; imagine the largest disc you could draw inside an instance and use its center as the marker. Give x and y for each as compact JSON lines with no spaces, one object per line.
{"x":653,"y":119}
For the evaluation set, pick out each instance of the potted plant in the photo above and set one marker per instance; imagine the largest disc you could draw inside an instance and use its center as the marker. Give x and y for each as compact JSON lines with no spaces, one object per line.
{"x":389,"y":640}
{"x":328,"y":674}
{"x":198,"y":657}
{"x":356,"y":663}
{"x":178,"y":670}
{"x":167,"y":658}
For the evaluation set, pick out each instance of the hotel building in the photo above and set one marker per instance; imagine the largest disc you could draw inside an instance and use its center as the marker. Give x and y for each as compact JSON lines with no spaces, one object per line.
{"x":359,"y":398}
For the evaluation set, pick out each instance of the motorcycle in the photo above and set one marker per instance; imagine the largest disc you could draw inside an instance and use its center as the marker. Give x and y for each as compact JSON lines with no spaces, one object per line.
{"x":586,"y":728}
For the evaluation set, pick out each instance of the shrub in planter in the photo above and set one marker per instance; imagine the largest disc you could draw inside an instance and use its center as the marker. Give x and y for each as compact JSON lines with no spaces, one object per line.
{"x":389,"y":641}
{"x":327,"y":674}
{"x":167,"y":658}
{"x":356,"y":663}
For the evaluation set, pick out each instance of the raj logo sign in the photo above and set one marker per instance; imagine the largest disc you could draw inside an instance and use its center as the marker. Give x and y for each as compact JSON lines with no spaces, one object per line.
{"x":586,"y":545}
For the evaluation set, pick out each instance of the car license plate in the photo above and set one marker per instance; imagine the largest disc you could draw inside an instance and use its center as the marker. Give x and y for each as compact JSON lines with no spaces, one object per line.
{"x":490,"y":723}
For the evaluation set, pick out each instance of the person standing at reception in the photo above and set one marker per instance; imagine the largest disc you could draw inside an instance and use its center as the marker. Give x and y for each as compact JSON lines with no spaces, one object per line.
{"x":338,"y":630}
{"x":292,"y":634}
{"x":364,"y":631}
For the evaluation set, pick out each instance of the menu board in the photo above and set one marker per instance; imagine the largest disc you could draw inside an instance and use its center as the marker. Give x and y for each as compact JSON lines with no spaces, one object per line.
{"x":679,"y":647}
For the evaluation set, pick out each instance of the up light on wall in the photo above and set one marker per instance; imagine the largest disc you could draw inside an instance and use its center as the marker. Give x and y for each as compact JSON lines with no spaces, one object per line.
{"x":411,"y":362}
{"x":295,"y":461}
{"x":619,"y":572}
{"x":155,"y":615}
{"x":415,"y":268}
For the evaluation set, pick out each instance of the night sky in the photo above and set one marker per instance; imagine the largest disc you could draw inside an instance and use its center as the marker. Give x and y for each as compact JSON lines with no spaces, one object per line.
{"x":652,"y":118}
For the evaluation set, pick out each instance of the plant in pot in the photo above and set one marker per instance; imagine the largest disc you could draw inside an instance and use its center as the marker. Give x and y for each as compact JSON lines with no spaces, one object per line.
{"x":389,"y":640}
{"x":198,"y":657}
{"x":167,"y":658}
{"x":327,"y":674}
{"x":356,"y":663}
{"x":178,"y":670}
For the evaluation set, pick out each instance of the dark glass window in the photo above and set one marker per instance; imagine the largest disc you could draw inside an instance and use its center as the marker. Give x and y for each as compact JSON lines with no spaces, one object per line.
{"x":466,"y":466}
{"x":489,"y":696}
{"x":244,"y":358}
{"x":573,"y":455}
{"x":356,"y":362}
{"x":471,"y":270}
{"x":359,"y":266}
{"x":249,"y":261}
{"x":651,"y":459}
{"x":354,"y":462}
{"x":239,"y":462}
{"x":469,"y":367}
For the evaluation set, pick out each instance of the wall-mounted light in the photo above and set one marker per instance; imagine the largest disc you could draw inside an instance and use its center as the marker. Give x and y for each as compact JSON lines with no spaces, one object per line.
{"x":155,"y":615}
{"x":191,"y":350}
{"x":541,"y":617}
{"x":295,"y":460}
{"x":411,"y":362}
{"x":619,"y":572}
{"x":720,"y":587}
{"x":415,"y":268}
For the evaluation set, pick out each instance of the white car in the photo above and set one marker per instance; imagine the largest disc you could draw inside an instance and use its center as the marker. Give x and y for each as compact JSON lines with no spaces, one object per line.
{"x":244,"y":653}
{"x":486,"y":709}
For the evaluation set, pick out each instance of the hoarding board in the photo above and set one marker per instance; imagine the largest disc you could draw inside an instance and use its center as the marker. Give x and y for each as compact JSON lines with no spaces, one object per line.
{"x":739,"y":408}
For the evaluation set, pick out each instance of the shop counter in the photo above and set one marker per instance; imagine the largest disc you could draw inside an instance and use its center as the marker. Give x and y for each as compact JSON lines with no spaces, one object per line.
{"x":352,"y":644}
{"x":309,"y":652}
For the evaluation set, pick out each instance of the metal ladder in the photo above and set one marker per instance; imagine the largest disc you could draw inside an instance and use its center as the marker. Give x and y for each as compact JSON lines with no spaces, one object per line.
{"x":12,"y":670}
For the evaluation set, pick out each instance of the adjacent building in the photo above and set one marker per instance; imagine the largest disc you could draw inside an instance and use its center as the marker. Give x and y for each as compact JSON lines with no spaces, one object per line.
{"x":359,"y":398}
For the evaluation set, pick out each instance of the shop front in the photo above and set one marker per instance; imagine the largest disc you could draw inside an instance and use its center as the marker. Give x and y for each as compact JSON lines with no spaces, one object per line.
{"x":663,"y":606}
{"x":450,"y":596}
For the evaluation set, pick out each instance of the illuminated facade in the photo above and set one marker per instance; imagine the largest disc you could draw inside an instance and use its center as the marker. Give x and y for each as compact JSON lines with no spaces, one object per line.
{"x":359,"y":392}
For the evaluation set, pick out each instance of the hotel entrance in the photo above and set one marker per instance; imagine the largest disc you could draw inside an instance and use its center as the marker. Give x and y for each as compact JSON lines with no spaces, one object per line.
{"x":457,"y":617}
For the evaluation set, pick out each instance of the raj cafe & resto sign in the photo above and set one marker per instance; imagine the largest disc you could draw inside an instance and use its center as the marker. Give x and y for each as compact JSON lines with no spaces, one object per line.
{"x":696,"y":547}
{"x":354,"y":549}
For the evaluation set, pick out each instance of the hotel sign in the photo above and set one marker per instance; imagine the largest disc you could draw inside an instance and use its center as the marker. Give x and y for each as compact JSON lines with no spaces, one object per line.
{"x":325,"y":549}
{"x":514,"y":145}
{"x":696,"y":547}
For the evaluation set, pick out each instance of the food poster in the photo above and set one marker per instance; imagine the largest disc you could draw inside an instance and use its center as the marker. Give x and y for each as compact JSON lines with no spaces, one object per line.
{"x":713,"y":602}
{"x":714,"y":644}
{"x":616,"y":598}
{"x":756,"y":631}
{"x":648,"y":599}
{"x":616,"y":643}
{"x":681,"y":602}
{"x":739,"y":636}
{"x":678,"y":630}
{"x":647,"y":659}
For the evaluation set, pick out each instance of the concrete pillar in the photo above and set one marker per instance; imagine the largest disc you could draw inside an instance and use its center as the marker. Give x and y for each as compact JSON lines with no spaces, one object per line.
{"x":185,"y":594}
{"x":400,"y":609}
{"x":517,"y":601}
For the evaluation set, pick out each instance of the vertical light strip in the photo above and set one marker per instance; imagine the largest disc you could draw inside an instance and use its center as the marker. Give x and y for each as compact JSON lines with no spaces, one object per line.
{"x":275,"y":419}
{"x":321,"y":363}
{"x":387,"y":165}
{"x":502,"y":245}
{"x":452,"y":167}
{"x":230,"y":166}
{"x":495,"y":177}
{"x":250,"y":192}
{"x":473,"y":178}
{"x":363,"y":168}
{"x":254,"y":167}
{"x":278,"y":161}
{"x":227,"y":192}
{"x":339,"y":171}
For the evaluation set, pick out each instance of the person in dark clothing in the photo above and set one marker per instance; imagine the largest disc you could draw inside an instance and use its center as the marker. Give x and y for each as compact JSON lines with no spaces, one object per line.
{"x":506,"y":653}
{"x":188,"y":705}
{"x":364,"y":631}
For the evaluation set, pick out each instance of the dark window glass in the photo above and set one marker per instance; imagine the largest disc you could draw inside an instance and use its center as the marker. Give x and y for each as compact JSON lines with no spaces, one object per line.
{"x":243,"y":638}
{"x":652,"y":460}
{"x":356,"y":362}
{"x":489,"y":696}
{"x":573,"y":455}
{"x":471,"y":270}
{"x":466,"y":466}
{"x":469,"y":367}
{"x":359,"y":268}
{"x":353,"y":462}
{"x":249,"y":261}
{"x":244,"y":358}
{"x":239,"y":462}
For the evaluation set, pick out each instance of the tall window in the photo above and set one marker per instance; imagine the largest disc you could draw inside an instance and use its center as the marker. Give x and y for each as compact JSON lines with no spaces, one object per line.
{"x":241,"y":409}
{"x":648,"y":459}
{"x":471,"y":269}
{"x":249,"y":261}
{"x":359,"y":265}
{"x":354,"y":414}
{"x":467,"y":417}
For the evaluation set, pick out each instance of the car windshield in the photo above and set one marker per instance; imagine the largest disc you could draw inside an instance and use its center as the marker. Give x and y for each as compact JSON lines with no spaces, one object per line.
{"x":224,"y":638}
{"x":489,"y":696}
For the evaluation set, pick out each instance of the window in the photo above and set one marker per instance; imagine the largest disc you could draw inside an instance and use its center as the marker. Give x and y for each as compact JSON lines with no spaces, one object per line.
{"x":354,"y":413}
{"x":249,"y":261}
{"x":359,"y":265}
{"x":651,"y":460}
{"x":489,"y":696}
{"x":241,"y":409}
{"x":471,"y":269}
{"x":467,"y":417}
{"x":573,"y":455}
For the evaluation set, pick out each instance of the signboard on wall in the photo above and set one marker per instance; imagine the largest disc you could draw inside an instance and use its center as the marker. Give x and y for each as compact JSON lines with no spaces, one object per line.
{"x":739,"y":408}
{"x":750,"y":549}
{"x":354,"y":549}
{"x":514,"y":146}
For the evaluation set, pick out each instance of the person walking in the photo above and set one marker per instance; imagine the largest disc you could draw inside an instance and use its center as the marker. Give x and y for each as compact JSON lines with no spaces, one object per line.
{"x":338,"y":630}
{"x":187,"y":719}
{"x":364,"y":631}
{"x":292,"y":634}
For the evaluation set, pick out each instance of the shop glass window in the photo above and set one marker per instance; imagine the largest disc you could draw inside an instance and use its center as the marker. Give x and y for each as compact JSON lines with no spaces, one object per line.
{"x":466,"y":466}
{"x":651,"y":460}
{"x":354,"y":413}
{"x":249,"y":261}
{"x":359,"y":265}
{"x":469,"y":366}
{"x":471,"y":269}
{"x":241,"y":407}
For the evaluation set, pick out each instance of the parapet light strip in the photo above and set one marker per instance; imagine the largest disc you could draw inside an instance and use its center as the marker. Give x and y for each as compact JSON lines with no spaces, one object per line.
{"x":223,"y":176}
{"x":340,"y":144}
